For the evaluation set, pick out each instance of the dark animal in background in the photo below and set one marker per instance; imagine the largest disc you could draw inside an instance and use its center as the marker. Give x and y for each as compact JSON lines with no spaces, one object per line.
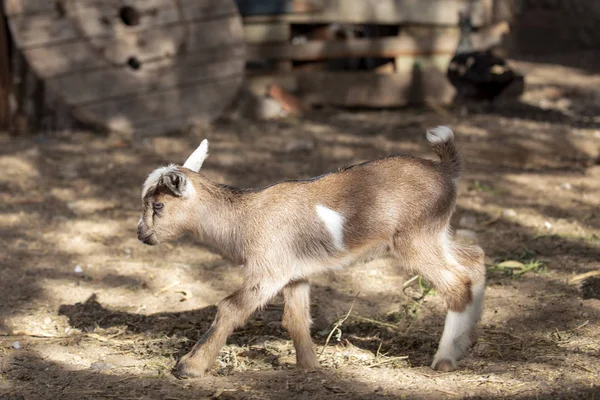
{"x":478,"y":75}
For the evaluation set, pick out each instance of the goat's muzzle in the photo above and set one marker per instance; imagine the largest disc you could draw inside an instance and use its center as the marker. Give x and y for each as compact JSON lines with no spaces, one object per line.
{"x":146,"y":235}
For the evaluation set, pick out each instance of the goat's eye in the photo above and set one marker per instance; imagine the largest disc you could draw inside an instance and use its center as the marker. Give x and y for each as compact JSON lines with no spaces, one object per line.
{"x":158,"y":206}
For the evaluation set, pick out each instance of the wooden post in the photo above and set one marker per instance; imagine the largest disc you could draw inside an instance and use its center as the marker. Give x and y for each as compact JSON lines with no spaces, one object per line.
{"x":5,"y":77}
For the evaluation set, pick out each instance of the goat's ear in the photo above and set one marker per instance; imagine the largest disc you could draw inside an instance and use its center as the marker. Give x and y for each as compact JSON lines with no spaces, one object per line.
{"x":176,"y":182}
{"x":195,"y":160}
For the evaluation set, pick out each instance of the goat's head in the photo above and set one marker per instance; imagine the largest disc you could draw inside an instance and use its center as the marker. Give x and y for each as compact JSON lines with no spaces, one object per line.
{"x":169,"y":198}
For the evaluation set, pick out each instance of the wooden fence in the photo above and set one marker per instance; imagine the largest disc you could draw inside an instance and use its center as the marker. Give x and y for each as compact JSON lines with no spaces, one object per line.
{"x":375,"y":53}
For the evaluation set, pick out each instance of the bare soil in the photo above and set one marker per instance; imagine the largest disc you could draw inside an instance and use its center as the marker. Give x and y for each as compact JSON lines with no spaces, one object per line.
{"x":86,"y":311}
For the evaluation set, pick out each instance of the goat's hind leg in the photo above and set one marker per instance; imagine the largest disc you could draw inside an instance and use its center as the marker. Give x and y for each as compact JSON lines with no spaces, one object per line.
{"x":463,"y":288}
{"x":458,"y":274}
{"x":296,"y":319}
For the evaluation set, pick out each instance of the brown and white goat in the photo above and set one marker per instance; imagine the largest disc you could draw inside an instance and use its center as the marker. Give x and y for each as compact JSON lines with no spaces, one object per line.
{"x":287,"y":232}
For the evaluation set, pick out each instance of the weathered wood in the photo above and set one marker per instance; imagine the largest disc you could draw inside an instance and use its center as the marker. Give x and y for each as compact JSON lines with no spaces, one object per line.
{"x":364,"y":89}
{"x":190,"y":104}
{"x":82,"y":19}
{"x":158,"y":45}
{"x":267,"y":33}
{"x":361,"y":89}
{"x":319,"y":50}
{"x":443,"y":12}
{"x":154,"y":76}
{"x":124,"y":67}
{"x":275,"y":7}
{"x":5,"y":75}
{"x":416,"y":42}
{"x":30,"y":8}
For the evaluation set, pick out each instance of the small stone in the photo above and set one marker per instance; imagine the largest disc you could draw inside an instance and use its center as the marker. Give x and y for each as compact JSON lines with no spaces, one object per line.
{"x":100,"y":366}
{"x":78,"y":269}
{"x":566,"y":186}
{"x":509,"y":213}
{"x":548,"y":225}
{"x":47,"y":320}
{"x":16,"y":345}
{"x":468,"y":221}
{"x":585,"y":315}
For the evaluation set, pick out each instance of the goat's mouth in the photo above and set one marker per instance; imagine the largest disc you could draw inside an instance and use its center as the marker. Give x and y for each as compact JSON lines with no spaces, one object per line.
{"x":149,"y":239}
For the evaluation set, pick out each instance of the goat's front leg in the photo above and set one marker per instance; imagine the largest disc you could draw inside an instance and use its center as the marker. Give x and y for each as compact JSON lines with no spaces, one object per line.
{"x":232,"y":312}
{"x":296,"y":319}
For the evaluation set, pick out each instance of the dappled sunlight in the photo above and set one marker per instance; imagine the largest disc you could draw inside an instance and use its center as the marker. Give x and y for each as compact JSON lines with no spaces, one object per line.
{"x":17,"y":171}
{"x":81,"y":237}
{"x":75,"y":273}
{"x":17,"y":219}
{"x":91,"y":205}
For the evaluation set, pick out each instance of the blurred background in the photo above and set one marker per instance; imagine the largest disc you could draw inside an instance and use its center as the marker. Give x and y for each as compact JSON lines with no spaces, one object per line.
{"x":95,"y":94}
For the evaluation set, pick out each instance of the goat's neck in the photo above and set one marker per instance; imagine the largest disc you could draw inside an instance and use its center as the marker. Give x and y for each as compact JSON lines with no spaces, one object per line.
{"x":222,"y":222}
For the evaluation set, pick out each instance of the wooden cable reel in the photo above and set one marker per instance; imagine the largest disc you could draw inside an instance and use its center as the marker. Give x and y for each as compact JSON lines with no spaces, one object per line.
{"x":135,"y":66}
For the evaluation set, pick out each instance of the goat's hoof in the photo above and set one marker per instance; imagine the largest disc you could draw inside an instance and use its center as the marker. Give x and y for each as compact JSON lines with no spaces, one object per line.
{"x":308,"y":366}
{"x":444,"y":365}
{"x":186,"y":369}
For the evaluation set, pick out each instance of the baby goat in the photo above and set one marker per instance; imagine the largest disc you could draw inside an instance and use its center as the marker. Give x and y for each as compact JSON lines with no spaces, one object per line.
{"x":287,"y":232}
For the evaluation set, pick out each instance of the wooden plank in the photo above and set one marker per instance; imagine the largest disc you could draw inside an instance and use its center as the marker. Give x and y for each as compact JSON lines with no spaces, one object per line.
{"x":275,"y":32}
{"x":44,"y":29}
{"x":154,"y":76}
{"x":365,"y":89}
{"x":5,"y":75}
{"x":324,"y":49}
{"x":387,"y":47}
{"x":70,"y":57}
{"x":26,"y":8}
{"x":245,"y":7}
{"x":444,"y":12}
{"x":190,"y":103}
{"x":275,"y":7}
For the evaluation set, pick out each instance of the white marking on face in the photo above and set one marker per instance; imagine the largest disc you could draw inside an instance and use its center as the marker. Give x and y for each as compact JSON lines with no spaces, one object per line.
{"x":155,"y":176}
{"x":334,"y":222}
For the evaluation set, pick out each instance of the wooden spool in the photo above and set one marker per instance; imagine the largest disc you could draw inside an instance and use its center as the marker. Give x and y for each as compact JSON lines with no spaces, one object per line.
{"x":135,"y":66}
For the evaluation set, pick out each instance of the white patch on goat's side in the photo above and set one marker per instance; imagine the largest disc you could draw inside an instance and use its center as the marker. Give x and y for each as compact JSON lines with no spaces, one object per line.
{"x":155,"y":176}
{"x":196,"y":159}
{"x":334,"y":222}
{"x":440,"y":134}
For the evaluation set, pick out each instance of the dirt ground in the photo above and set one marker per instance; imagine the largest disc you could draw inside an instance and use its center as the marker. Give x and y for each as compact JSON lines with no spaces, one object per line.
{"x":88,"y":312}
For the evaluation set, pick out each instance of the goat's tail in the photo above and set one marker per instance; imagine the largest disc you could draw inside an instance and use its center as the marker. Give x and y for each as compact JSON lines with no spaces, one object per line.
{"x":442,"y":142}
